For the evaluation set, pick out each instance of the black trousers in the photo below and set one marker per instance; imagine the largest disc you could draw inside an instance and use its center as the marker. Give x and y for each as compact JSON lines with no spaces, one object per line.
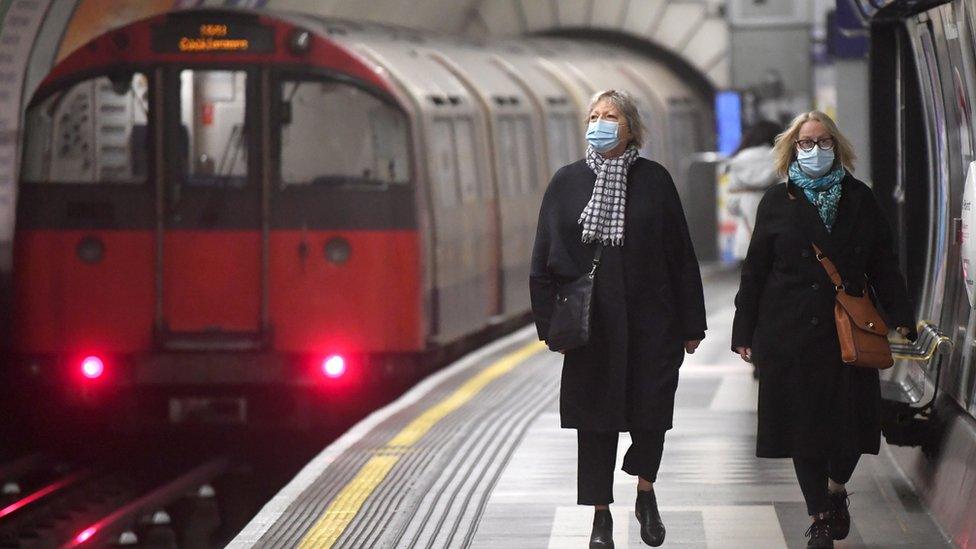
{"x":812,"y":473}
{"x":597,"y":458}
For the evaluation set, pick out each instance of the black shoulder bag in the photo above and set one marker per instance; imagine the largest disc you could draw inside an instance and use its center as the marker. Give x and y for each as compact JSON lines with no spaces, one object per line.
{"x":569,"y":326}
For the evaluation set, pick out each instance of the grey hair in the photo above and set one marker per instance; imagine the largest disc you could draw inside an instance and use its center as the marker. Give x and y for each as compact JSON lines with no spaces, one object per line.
{"x":628,"y":108}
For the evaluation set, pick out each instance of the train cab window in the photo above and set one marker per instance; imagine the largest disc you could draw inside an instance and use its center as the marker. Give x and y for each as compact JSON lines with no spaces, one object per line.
{"x":93,"y":131}
{"x":337,"y":134}
{"x":212,"y":133}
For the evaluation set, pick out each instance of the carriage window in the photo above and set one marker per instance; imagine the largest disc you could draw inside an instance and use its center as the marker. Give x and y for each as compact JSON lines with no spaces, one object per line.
{"x":338,"y":134}
{"x":562,"y":130}
{"x":92,"y":132}
{"x":466,"y":158}
{"x":508,"y":168}
{"x":212,"y":130}
{"x":444,"y":161}
{"x":524,"y":152}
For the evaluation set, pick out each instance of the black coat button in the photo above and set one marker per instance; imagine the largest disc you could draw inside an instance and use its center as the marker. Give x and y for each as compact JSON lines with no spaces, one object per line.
{"x":815,"y":286}
{"x":805,"y":252}
{"x":814,"y":320}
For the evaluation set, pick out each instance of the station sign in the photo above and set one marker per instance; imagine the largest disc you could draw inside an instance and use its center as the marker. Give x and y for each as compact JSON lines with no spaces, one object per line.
{"x":212,"y":35}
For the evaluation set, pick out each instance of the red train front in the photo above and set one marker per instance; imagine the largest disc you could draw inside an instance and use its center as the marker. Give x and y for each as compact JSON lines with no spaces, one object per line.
{"x":214,"y":208}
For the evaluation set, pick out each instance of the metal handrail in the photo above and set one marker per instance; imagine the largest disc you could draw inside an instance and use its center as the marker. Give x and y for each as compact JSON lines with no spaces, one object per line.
{"x":929,"y":344}
{"x":936,"y":343}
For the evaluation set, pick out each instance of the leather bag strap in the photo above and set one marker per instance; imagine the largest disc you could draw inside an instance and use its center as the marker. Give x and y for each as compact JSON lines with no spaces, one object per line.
{"x":831,"y":269}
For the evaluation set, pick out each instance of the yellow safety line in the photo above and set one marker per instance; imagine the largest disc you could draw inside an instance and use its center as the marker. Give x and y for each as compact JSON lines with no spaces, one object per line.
{"x":343,"y":508}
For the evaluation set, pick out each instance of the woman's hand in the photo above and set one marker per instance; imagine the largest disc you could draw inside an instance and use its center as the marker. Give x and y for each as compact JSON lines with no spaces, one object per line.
{"x":690,"y":346}
{"x":745,"y":353}
{"x":903,"y":331}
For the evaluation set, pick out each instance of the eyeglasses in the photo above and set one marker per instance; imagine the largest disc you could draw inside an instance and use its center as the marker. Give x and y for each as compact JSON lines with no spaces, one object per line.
{"x":825,"y":144}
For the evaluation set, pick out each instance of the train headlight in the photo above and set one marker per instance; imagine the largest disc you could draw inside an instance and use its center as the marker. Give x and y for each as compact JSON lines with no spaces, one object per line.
{"x":90,"y":249}
{"x":337,"y":250}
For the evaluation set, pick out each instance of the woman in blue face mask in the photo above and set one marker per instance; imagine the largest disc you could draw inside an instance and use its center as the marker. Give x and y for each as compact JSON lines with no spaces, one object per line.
{"x":813,"y":408}
{"x":648,"y":310}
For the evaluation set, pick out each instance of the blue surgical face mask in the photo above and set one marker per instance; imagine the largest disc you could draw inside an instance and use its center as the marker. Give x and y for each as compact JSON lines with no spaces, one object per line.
{"x":602,"y":134}
{"x":816,"y":161}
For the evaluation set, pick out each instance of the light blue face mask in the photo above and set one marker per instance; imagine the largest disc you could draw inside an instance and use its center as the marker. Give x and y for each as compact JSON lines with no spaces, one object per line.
{"x":602,"y":134}
{"x":816,"y":161}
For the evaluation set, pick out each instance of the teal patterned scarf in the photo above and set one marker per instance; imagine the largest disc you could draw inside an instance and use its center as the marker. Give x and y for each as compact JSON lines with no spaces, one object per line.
{"x":823,"y":192}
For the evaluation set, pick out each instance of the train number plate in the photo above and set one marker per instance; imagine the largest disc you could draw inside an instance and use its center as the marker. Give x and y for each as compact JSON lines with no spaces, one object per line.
{"x":207,"y":410}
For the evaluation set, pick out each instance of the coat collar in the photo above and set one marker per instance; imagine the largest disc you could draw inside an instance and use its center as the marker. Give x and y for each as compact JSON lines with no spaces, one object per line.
{"x":808,"y":218}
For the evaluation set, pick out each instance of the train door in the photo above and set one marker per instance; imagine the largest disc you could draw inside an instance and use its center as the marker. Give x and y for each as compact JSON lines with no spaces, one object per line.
{"x":955,"y":313}
{"x":961,"y":42}
{"x":210,"y":247}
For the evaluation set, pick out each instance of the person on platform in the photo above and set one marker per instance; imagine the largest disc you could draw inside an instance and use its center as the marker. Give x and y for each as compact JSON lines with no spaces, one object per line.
{"x":648,"y":305}
{"x":751,"y":172}
{"x":813,"y":408}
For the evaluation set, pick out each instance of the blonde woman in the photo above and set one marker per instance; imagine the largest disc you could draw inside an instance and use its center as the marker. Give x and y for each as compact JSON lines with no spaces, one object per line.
{"x":813,"y":408}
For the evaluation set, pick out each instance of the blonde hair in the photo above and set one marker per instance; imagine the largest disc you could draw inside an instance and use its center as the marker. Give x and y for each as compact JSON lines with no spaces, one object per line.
{"x":784,"y":151}
{"x":628,"y":108}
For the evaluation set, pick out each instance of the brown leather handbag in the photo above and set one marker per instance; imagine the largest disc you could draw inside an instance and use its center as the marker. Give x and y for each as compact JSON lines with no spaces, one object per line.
{"x":863,"y":334}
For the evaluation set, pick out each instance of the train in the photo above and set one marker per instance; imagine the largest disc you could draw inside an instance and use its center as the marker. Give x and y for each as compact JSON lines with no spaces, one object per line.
{"x":239,"y":217}
{"x":923,"y":82}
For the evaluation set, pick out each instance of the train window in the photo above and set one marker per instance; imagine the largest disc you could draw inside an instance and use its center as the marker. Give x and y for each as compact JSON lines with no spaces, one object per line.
{"x":515,"y":168}
{"x":338,"y":134}
{"x":467,"y":160}
{"x":562,"y":130}
{"x":508,"y":156}
{"x":92,"y":132}
{"x":525,"y":153}
{"x":212,"y":112}
{"x":444,"y":161}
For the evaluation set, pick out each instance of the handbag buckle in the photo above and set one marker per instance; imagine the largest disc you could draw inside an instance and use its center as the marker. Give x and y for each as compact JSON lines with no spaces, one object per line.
{"x":820,"y":257}
{"x":840,"y":287}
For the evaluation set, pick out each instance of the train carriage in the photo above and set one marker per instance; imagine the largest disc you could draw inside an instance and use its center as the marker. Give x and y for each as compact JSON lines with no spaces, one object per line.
{"x":243,"y":217}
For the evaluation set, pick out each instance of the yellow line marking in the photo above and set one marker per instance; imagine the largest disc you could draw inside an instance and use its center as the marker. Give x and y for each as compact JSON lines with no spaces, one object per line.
{"x":344,"y":507}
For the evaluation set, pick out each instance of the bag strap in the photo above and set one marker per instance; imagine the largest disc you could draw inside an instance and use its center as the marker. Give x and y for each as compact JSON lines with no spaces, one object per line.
{"x":596,"y":258}
{"x":831,"y":269}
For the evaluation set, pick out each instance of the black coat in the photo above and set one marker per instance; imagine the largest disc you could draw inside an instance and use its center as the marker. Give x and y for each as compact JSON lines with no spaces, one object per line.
{"x":811,"y":403}
{"x":647,"y":300}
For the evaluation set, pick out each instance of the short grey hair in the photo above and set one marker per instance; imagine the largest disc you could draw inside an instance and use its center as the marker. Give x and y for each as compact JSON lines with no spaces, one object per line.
{"x":628,"y":108}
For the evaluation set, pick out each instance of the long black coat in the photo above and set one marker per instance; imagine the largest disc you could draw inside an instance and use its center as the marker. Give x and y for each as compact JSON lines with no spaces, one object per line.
{"x":647,"y":300}
{"x":810,"y":403}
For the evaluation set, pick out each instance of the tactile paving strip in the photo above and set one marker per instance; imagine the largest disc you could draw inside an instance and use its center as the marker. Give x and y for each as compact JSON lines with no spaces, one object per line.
{"x":432,"y":493}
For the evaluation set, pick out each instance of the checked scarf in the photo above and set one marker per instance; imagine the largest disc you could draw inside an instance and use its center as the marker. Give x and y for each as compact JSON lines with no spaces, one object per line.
{"x":823,"y":192}
{"x":603,"y":216}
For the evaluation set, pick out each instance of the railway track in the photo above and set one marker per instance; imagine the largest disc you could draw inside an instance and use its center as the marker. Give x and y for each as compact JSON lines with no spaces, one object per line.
{"x":47,"y":505}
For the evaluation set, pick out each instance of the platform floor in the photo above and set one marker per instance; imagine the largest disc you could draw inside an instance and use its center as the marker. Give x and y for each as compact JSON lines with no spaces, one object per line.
{"x":474,"y":457}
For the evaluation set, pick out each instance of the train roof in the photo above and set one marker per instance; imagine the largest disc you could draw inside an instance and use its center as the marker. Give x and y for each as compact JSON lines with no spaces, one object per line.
{"x":426,"y":68}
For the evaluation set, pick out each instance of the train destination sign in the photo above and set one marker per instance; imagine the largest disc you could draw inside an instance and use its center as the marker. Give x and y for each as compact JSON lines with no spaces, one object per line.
{"x":203,"y":36}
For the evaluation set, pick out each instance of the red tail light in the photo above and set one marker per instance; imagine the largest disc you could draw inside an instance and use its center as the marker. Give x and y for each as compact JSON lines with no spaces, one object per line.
{"x":334,"y":366}
{"x":92,"y":367}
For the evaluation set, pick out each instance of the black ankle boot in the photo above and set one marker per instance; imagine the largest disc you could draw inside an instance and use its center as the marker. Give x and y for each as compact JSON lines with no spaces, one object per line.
{"x":819,"y":532}
{"x":602,"y":535}
{"x":840,"y":516}
{"x":652,"y":528}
